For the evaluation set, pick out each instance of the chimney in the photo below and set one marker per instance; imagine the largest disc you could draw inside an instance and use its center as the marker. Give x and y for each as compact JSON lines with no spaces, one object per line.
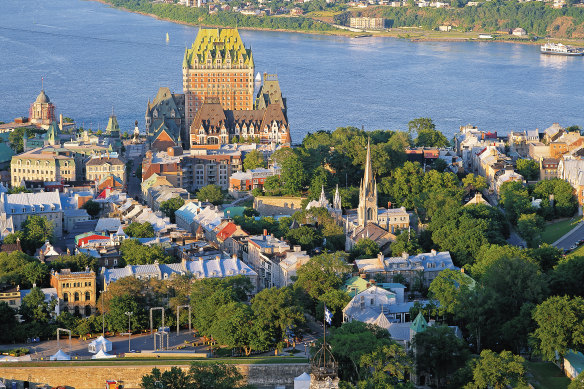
{"x":297,"y":249}
{"x":433,"y":252}
{"x":61,"y":122}
{"x":265,"y":232}
{"x":405,"y":255}
{"x":389,"y":205}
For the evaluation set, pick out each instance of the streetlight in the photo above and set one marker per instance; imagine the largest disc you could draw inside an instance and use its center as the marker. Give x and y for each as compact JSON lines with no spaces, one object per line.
{"x":129,"y":333}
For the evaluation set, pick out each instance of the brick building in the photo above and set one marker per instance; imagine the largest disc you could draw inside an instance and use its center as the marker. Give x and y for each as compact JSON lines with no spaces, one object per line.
{"x":218,"y":65}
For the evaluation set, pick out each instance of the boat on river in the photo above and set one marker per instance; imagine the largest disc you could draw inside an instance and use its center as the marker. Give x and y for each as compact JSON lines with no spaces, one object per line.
{"x":560,"y":49}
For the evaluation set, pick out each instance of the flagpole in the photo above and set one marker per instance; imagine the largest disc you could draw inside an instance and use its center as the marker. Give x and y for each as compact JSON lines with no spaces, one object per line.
{"x":324,"y":326}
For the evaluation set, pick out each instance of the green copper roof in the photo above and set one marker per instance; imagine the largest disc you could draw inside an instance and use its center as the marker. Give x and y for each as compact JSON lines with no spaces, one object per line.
{"x":215,"y":43}
{"x":419,"y":324}
{"x":112,"y":125}
{"x":53,"y":133}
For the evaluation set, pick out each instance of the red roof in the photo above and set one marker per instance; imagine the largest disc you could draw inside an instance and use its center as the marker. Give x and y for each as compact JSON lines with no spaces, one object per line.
{"x":86,"y":239}
{"x":227,"y":231}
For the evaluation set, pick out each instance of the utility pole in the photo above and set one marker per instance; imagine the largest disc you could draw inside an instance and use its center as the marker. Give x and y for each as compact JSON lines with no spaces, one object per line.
{"x":129,"y":332}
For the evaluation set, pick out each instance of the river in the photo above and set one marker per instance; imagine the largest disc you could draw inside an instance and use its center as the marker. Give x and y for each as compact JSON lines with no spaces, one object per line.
{"x":94,"y":59}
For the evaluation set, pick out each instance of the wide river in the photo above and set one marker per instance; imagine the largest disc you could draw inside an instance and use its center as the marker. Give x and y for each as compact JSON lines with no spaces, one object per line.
{"x":93,"y":58}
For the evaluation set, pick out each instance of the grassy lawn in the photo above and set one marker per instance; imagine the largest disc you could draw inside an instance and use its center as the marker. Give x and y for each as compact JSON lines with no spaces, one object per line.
{"x":554,"y":231}
{"x":546,"y":375}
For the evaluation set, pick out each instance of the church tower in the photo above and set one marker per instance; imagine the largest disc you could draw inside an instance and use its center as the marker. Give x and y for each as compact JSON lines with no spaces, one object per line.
{"x":367,"y":211}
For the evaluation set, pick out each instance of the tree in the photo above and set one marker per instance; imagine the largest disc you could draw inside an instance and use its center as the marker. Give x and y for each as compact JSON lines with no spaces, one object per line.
{"x":560,"y":326}
{"x":448,"y":288}
{"x":498,"y":371}
{"x":15,"y":138}
{"x":135,"y":253}
{"x":92,"y":207}
{"x":406,"y":242}
{"x":7,"y":323}
{"x":566,"y":277}
{"x":577,"y":383}
{"x":335,"y":300}
{"x":530,"y":227}
{"x":175,"y":378}
{"x":292,"y":175}
{"x":215,"y":375}
{"x":170,"y":206}
{"x":564,"y":202}
{"x":471,"y":182}
{"x":234,"y":326}
{"x":253,"y":160}
{"x":321,"y":274}
{"x":273,"y":186}
{"x":35,"y":272}
{"x":35,"y":308}
{"x":275,"y":310}
{"x":364,"y":248}
{"x":427,"y":136}
{"x":528,"y":168}
{"x":353,"y":340}
{"x":211,"y":193}
{"x":18,"y":189}
{"x":385,"y":367}
{"x":118,"y":320}
{"x":37,"y":230}
{"x":305,"y":236}
{"x":515,"y":198}
{"x":440,"y":352}
{"x":140,"y":230}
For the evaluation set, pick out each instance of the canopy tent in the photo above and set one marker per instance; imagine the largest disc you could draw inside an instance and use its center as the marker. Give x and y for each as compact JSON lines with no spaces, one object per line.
{"x":302,"y":381}
{"x":100,"y":343}
{"x":102,"y":355}
{"x":60,"y":356}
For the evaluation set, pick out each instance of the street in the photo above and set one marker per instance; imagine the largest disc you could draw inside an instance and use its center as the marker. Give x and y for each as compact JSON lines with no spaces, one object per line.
{"x":571,"y":238}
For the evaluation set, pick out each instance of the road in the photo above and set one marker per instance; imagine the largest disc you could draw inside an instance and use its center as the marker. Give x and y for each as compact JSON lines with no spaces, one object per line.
{"x":571,"y":238}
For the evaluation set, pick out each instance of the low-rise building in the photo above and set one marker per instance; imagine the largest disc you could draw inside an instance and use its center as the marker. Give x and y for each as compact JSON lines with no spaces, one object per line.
{"x":22,"y":205}
{"x":264,"y":255}
{"x":214,"y":266}
{"x":251,"y":179}
{"x":43,"y":164}
{"x":76,"y":291}
{"x":366,"y":23}
{"x":548,"y":168}
{"x":99,"y":168}
{"x":430,"y":264}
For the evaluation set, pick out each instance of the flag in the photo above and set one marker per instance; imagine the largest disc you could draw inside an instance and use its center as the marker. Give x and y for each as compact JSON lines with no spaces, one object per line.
{"x":328,"y":316}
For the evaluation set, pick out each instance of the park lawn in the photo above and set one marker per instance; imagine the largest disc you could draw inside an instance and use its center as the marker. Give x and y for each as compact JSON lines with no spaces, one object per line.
{"x":546,"y":375}
{"x":554,"y":231}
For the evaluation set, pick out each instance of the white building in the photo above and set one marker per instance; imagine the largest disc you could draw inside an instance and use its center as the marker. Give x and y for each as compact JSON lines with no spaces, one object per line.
{"x":22,"y":205}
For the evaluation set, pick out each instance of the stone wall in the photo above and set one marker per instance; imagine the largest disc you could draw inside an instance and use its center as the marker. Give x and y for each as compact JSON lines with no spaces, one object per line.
{"x":94,"y":377}
{"x":274,"y":205}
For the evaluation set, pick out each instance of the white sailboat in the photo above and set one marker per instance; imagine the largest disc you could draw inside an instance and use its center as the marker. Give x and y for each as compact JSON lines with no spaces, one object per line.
{"x":167,"y":37}
{"x":258,"y":77}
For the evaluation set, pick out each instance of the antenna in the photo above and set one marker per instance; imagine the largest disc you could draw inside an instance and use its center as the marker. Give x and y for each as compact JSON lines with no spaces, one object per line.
{"x":42,"y":83}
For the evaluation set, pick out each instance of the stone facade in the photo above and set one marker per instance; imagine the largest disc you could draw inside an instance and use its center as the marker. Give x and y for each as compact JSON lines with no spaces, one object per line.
{"x":274,"y":205}
{"x":101,"y":167}
{"x":91,"y":377}
{"x":42,"y":111}
{"x":367,"y":211}
{"x":76,"y":291}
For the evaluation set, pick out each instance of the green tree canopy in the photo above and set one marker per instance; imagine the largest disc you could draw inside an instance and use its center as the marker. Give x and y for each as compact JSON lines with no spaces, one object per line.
{"x":140,"y":230}
{"x":560,"y":326}
{"x":530,"y":227}
{"x":528,"y":168}
{"x":498,"y":371}
{"x":364,"y":248}
{"x":474,"y":182}
{"x":211,"y":193}
{"x":321,"y":274}
{"x":170,"y":206}
{"x":253,"y":160}
{"x":92,"y":207}
{"x":135,"y":253}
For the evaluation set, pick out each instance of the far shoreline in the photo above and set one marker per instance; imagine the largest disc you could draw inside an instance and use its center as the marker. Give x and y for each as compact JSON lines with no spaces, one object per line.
{"x":397,"y":33}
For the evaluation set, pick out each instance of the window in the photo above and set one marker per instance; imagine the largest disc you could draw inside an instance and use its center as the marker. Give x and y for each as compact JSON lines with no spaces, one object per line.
{"x":65,"y":297}
{"x":87,"y":296}
{"x":76,"y":296}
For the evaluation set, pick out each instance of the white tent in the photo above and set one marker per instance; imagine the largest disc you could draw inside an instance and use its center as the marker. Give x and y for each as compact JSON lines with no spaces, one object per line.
{"x":2,"y":386}
{"x":302,"y":381}
{"x":100,"y":343}
{"x":8,"y":358}
{"x":60,"y":356}
{"x":102,"y":355}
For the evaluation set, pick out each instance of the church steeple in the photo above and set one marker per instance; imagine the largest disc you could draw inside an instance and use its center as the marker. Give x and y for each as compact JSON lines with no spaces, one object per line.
{"x":337,"y":199}
{"x":367,"y":211}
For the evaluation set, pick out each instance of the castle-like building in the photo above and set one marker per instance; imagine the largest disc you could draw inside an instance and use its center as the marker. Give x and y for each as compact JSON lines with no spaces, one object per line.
{"x":42,"y":111}
{"x":218,"y":105}
{"x":218,"y":65}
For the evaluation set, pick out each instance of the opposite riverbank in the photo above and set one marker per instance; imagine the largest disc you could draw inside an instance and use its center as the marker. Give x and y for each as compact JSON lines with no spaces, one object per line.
{"x":414,"y":34}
